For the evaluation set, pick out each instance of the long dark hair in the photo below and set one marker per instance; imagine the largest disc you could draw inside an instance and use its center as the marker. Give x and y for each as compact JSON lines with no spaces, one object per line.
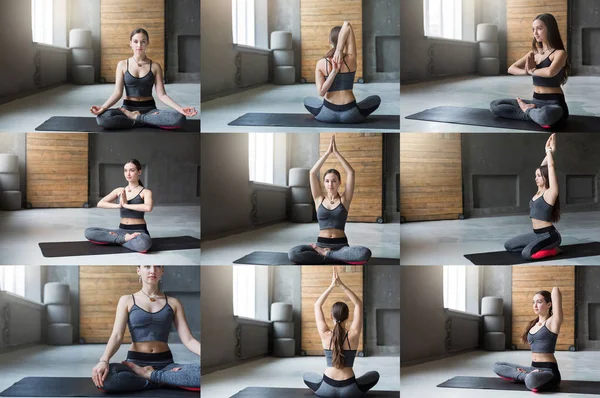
{"x":334,"y":171}
{"x":140,"y":30}
{"x":339,"y":313}
{"x":138,"y":166}
{"x":333,"y":39}
{"x":554,"y":40}
{"x":556,"y":207}
{"x":547,"y":298}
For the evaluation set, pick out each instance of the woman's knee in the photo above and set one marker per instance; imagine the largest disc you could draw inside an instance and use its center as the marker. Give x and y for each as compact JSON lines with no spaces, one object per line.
{"x":494,"y":105}
{"x":144,"y":243}
{"x":89,"y":233}
{"x":295,"y":254}
{"x":537,"y":380}
{"x":364,"y":254}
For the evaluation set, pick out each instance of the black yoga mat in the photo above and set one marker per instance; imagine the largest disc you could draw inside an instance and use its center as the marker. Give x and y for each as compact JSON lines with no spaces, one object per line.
{"x":380,"y":122}
{"x":279,"y":392}
{"x":85,"y":248}
{"x":89,"y":125}
{"x":280,"y":258}
{"x":508,"y":258}
{"x":81,"y":387}
{"x":484,"y":117}
{"x":496,"y":383}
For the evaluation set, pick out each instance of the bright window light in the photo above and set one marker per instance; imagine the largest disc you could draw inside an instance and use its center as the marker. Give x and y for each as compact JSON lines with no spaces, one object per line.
{"x":260,"y":156}
{"x":41,"y":21}
{"x":12,"y":279}
{"x":455,"y":289}
{"x":443,"y":18}
{"x":242,"y":12}
{"x":244,"y":288}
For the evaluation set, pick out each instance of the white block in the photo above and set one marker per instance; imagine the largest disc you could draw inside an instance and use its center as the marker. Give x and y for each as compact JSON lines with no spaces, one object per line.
{"x":9,"y":163}
{"x":283,"y":57}
{"x":82,"y":74}
{"x":283,"y":330}
{"x":487,"y":32}
{"x":281,"y":312}
{"x":281,"y":40}
{"x":300,"y":195}
{"x":9,"y":182}
{"x":299,"y":177}
{"x":56,"y":293}
{"x":58,"y":313}
{"x":60,"y":334}
{"x":284,"y":348}
{"x":492,"y":306}
{"x":489,"y":66}
{"x":489,"y":49}
{"x":284,"y":75}
{"x":10,"y":200}
{"x":494,"y":341}
{"x":301,"y":213}
{"x":493,"y":323}
{"x":80,"y":38}
{"x":82,"y":56}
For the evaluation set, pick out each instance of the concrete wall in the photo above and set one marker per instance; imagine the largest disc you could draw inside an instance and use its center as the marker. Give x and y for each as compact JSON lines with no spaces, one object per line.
{"x":497,"y":281}
{"x":68,"y":275}
{"x":495,"y":12}
{"x":15,"y":143}
{"x":382,"y":310}
{"x":587,"y":285}
{"x":21,"y":321}
{"x":381,"y":40}
{"x":183,"y":19}
{"x":170,"y":164}
{"x":391,"y":169}
{"x":286,"y":288}
{"x":499,"y":169}
{"x":285,"y":15}
{"x":183,"y":283}
{"x":85,"y":14}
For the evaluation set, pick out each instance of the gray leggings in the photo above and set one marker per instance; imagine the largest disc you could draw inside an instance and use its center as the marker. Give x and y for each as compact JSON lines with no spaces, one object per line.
{"x":540,"y":376}
{"x":149,"y":116}
{"x":550,"y":109}
{"x":353,"y":112}
{"x":121,"y":379}
{"x":324,"y":386}
{"x":140,"y":243}
{"x":340,"y":253}
{"x":532,"y":242}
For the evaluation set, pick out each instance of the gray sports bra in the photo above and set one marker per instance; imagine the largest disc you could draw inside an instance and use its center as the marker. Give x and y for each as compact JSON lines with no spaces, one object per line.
{"x":138,"y":86}
{"x":540,"y":209}
{"x":543,"y":341}
{"x":150,"y":326}
{"x":342,"y":81}
{"x":349,"y":355}
{"x":553,"y":81}
{"x":332,"y":219}
{"x":128,"y":213}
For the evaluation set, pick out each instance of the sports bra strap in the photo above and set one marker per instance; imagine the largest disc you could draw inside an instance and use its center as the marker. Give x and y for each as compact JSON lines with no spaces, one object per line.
{"x":345,"y":338}
{"x":133,"y":297}
{"x":166,"y":299}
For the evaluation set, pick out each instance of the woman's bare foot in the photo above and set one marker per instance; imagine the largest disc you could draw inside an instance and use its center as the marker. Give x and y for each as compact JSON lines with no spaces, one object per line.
{"x":133,"y":115}
{"x":524,"y":107}
{"x":145,"y":371}
{"x":128,"y":237}
{"x":321,"y":250}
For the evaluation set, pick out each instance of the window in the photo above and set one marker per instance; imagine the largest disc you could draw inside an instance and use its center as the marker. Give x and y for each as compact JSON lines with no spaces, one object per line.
{"x":250,"y":291}
{"x":41,"y":16}
{"x":443,"y":18}
{"x":455,"y":292}
{"x":260,"y":156}
{"x":242,"y":12}
{"x":12,"y":279}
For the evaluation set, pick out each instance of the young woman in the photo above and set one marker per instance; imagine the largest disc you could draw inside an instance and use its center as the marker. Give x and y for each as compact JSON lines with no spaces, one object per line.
{"x":332,"y":211}
{"x":149,"y":315}
{"x":339,"y":379}
{"x":549,"y":66}
{"x":138,"y":74}
{"x":541,"y":334}
{"x":544,"y":211}
{"x":334,"y":77}
{"x":132,"y":201}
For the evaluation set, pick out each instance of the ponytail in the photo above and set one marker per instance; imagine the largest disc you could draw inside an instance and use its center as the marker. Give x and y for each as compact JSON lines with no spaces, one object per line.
{"x":339,"y":312}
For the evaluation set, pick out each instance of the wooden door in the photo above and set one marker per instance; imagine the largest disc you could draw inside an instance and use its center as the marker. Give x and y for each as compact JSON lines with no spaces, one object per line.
{"x":118,"y":19}
{"x":317,"y":18}
{"x":364,"y":152}
{"x":57,"y":169}
{"x":430,"y":176}
{"x":100,"y":288}
{"x":315,"y":280}
{"x":526,"y":281}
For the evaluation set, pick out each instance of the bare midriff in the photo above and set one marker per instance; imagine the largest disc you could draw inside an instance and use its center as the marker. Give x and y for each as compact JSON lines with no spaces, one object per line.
{"x":339,"y":374}
{"x":332,"y":233}
{"x":138,"y":99}
{"x":149,"y":347}
{"x":537,"y":224}
{"x":547,"y":90}
{"x":133,"y":221}
{"x":542,"y":357}
{"x":341,"y":97}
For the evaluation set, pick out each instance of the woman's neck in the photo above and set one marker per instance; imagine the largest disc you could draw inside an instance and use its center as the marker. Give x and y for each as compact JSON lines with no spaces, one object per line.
{"x":150,"y":290}
{"x":543,"y":318}
{"x":131,"y":186}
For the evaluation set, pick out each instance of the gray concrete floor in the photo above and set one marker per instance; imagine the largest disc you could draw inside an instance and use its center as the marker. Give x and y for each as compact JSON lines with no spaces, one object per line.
{"x":287,"y":372}
{"x":421,"y":380}
{"x":25,"y":114}
{"x":21,"y":231}
{"x":286,"y":99}
{"x":66,"y":361}
{"x":446,"y":242}
{"x":382,"y":239}
{"x":581,"y":92}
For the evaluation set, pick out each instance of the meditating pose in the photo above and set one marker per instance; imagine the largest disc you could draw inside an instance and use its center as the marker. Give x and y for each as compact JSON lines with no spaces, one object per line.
{"x":149,"y":315}
{"x":138,"y":74}
{"x":332,"y":211}
{"x":549,"y":65}
{"x":541,"y":334}
{"x":338,"y":379}
{"x":334,"y":77}
{"x":544,"y":210}
{"x":132,"y":201}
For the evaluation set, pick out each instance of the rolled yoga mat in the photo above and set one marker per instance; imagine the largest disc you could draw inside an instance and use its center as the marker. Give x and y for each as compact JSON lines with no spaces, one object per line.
{"x":507,"y":258}
{"x":279,"y":258}
{"x":279,"y":392}
{"x":86,"y":248}
{"x":89,"y":125}
{"x":496,"y":383}
{"x":378,"y":122}
{"x":485,"y":117}
{"x":81,"y":387}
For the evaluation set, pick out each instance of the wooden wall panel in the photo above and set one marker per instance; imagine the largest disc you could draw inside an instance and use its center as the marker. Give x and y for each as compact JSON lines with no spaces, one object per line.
{"x":317,"y":18}
{"x":315,"y":279}
{"x":100,"y":288}
{"x":57,"y":169}
{"x":526,"y":281}
{"x":118,"y":19}
{"x":430,"y":176}
{"x":519,"y":17}
{"x":364,"y":152}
